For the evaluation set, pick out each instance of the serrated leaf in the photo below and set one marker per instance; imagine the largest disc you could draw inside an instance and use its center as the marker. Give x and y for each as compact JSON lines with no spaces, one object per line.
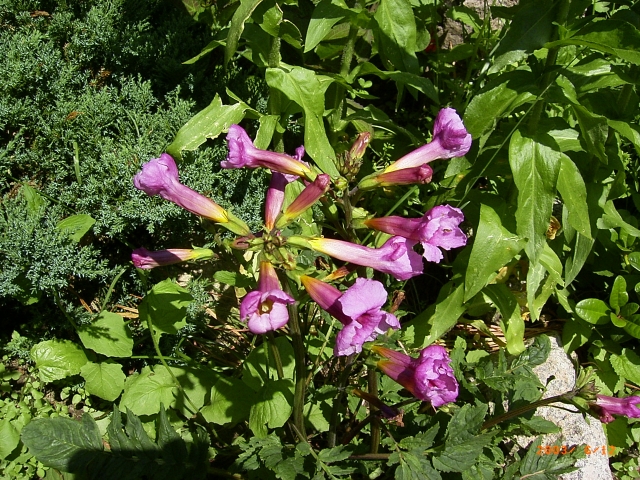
{"x":206,"y":124}
{"x":76,"y":226}
{"x":231,"y":401}
{"x":413,"y":467}
{"x":535,"y":168}
{"x":306,"y":88}
{"x":108,"y":335}
{"x":627,"y":365}
{"x":335,"y":454}
{"x":593,"y":310}
{"x":461,"y":455}
{"x":547,"y":467}
{"x":105,"y":380}
{"x":466,"y":422}
{"x":57,"y":359}
{"x":166,"y":306}
{"x":144,"y":392}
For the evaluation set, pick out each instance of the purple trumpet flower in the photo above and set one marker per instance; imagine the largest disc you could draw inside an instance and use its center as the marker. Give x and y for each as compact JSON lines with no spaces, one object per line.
{"x":358,"y":309}
{"x":243,"y":153}
{"x":606,"y":407}
{"x":160,"y":177}
{"x":265,"y":309}
{"x":428,"y":377}
{"x":450,"y":139}
{"x":396,"y":257}
{"x":275,"y":192}
{"x":406,"y":176}
{"x":310,"y":195}
{"x":437,"y":228}
{"x":143,"y":258}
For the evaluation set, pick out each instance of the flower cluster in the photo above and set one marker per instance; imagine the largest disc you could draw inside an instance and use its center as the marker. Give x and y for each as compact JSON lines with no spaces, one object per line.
{"x":359,"y":307}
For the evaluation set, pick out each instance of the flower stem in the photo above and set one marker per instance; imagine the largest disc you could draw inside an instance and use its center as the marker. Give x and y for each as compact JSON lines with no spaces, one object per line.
{"x":335,"y":411}
{"x":372,"y":378}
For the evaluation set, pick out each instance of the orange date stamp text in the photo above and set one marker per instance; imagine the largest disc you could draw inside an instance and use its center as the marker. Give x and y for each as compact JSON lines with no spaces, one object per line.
{"x":609,"y":450}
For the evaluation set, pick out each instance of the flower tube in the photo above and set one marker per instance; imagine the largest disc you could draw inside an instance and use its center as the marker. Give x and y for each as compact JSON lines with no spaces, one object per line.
{"x":407,"y":176}
{"x":143,"y":258}
{"x":450,"y":139}
{"x":396,"y":257}
{"x":310,"y":195}
{"x":606,"y":407}
{"x":429,"y":377}
{"x":437,"y":228}
{"x":160,"y":177}
{"x":243,"y":153}
{"x":358,"y":309}
{"x":265,"y":309}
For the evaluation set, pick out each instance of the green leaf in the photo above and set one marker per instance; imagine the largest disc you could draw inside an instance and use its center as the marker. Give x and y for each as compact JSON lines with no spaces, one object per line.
{"x":326,"y":14}
{"x":105,"y":380}
{"x":497,"y":100}
{"x":62,"y":443}
{"x":76,"y":226}
{"x":413,"y":467}
{"x":256,"y":370}
{"x":494,"y":246}
{"x":231,"y":401}
{"x":144,"y":392}
{"x":459,"y":456}
{"x":619,"y":296}
{"x":543,"y":467}
{"x":56,"y":359}
{"x":241,"y":15}
{"x":266,"y":130}
{"x":530,"y":29}
{"x":232,"y":278}
{"x":581,"y":250}
{"x":208,"y":123}
{"x":196,"y":383}
{"x":9,"y":438}
{"x":108,"y":335}
{"x":535,"y":168}
{"x":436,"y":320}
{"x":594,"y":131}
{"x":632,"y":327}
{"x":612,"y":219}
{"x":272,"y":408}
{"x":575,"y":334}
{"x":616,"y":37}
{"x":33,"y":198}
{"x":509,"y":308}
{"x":166,"y":306}
{"x":307,"y":89}
{"x":631,"y":132}
{"x":397,"y":34}
{"x":574,"y":195}
{"x":627,"y":365}
{"x":593,"y":311}
{"x":211,"y":46}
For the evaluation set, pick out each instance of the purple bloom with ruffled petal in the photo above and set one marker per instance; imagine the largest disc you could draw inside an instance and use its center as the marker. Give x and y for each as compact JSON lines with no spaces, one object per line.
{"x":265,"y":309}
{"x":438,"y":228}
{"x":428,"y":377}
{"x":606,"y":407}
{"x":358,"y":309}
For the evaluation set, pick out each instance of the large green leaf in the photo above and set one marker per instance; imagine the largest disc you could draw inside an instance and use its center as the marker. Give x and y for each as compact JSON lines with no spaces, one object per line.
{"x":593,"y":311}
{"x":241,"y":15}
{"x":535,"y":168}
{"x":104,"y":380}
{"x":9,"y":437}
{"x":509,"y":308}
{"x":574,"y":195}
{"x":56,"y":359}
{"x":397,"y":34}
{"x":272,"y":408}
{"x":307,"y":89}
{"x":594,"y":131}
{"x":260,"y":365}
{"x":208,"y":123}
{"x":231,"y":401}
{"x":195,"y":391}
{"x":146,"y":391}
{"x":326,"y":14}
{"x":76,"y":226}
{"x":494,"y":246}
{"x":616,"y":37}
{"x":108,"y":335}
{"x":62,"y":443}
{"x":581,"y":250}
{"x":166,"y":306}
{"x":630,"y":132}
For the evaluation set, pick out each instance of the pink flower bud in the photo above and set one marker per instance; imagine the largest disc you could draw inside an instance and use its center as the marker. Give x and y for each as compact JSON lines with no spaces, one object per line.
{"x":143,"y":258}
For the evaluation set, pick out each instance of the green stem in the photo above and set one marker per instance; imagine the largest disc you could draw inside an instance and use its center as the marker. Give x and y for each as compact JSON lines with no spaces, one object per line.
{"x":372,"y":380}
{"x":276,"y":356}
{"x":335,"y":411}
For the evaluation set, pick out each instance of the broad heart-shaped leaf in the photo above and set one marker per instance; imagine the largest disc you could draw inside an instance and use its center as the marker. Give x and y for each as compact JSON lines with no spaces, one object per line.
{"x":627,"y":365}
{"x":509,"y":308}
{"x":62,"y":443}
{"x":76,"y":226}
{"x":616,"y":37}
{"x":56,"y":359}
{"x":494,"y":246}
{"x":208,"y":123}
{"x":326,"y":14}
{"x":196,"y":383}
{"x":574,"y":195}
{"x":104,"y":380}
{"x":530,"y":29}
{"x":619,"y":296}
{"x":497,"y":100}
{"x":273,"y":406}
{"x":9,"y":438}
{"x":108,"y":335}
{"x":307,"y":89}
{"x":396,"y":34}
{"x":535,"y":168}
{"x":436,"y":320}
{"x":144,"y":392}
{"x":593,"y":311}
{"x":231,"y":400}
{"x":241,"y":15}
{"x":257,"y":370}
{"x":166,"y":306}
